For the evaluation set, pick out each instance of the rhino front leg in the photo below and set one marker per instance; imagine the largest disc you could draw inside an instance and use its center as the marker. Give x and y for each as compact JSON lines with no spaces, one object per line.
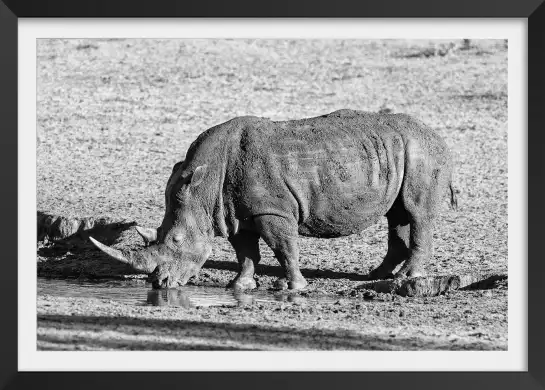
{"x":282,"y":237}
{"x":246,"y":245}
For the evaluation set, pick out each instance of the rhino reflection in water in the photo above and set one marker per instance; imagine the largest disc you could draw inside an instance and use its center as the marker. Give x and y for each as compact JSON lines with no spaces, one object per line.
{"x":328,"y":176}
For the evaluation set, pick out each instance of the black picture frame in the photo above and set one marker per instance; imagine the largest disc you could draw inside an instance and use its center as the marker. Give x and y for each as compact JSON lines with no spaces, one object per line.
{"x":11,"y":10}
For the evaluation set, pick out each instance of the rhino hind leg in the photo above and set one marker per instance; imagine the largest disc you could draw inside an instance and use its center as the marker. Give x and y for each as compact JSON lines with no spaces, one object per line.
{"x":420,"y":255}
{"x":398,"y":242}
{"x":281,"y":235}
{"x":246,"y":245}
{"x":422,"y":194}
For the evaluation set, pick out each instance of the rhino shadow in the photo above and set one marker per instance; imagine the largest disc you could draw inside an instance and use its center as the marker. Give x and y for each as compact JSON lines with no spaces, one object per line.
{"x":277,"y":271}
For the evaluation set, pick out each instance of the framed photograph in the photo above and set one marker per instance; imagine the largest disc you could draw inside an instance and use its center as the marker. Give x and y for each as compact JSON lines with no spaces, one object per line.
{"x":299,"y":196}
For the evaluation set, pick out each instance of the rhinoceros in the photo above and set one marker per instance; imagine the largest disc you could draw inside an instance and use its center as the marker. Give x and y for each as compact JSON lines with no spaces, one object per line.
{"x":326,"y":176}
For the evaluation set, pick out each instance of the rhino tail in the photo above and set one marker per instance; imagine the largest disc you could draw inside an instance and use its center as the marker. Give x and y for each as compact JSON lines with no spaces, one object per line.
{"x":453,"y":198}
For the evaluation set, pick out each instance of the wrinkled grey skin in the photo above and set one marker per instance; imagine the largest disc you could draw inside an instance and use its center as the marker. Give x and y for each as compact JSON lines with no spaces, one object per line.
{"x":328,"y":176}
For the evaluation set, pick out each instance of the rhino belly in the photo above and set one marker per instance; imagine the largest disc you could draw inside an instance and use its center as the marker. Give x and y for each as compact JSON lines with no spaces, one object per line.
{"x":343,"y":215}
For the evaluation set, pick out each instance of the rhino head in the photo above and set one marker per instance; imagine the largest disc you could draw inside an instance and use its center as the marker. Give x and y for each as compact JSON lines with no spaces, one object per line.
{"x":177,"y":250}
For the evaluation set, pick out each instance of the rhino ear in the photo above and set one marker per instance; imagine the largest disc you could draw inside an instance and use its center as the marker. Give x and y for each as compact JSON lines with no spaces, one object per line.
{"x":198,"y":175}
{"x":148,"y":234}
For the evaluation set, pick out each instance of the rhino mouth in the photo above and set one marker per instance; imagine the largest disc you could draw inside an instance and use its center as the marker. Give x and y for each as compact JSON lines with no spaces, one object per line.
{"x":162,"y":280}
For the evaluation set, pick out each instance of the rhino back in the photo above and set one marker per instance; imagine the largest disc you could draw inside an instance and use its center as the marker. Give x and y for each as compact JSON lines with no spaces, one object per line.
{"x":335,"y":174}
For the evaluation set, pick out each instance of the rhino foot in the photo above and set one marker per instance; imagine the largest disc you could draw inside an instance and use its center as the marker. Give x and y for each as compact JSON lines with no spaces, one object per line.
{"x":409,"y":272}
{"x":283,"y":284}
{"x":243,"y":284}
{"x":280,"y":284}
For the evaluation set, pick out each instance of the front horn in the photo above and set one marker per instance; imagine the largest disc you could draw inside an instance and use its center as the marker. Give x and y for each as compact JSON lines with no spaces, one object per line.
{"x":143,"y":266}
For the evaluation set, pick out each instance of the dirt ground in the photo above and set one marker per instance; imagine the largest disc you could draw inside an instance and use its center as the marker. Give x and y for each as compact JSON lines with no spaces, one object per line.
{"x":115,"y":115}
{"x":473,"y":320}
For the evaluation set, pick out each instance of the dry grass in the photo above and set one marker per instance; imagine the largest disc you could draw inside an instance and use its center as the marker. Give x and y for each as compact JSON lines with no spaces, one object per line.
{"x":115,"y":115}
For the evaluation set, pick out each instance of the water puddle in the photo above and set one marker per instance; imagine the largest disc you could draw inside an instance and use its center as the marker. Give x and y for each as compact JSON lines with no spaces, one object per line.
{"x":187,"y":296}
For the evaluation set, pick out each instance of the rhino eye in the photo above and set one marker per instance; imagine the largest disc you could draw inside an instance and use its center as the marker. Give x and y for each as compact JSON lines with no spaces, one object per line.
{"x":177,"y":238}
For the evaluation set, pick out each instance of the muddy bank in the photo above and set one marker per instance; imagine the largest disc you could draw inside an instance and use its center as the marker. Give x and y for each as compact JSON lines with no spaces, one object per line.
{"x":338,"y":310}
{"x":473,"y":320}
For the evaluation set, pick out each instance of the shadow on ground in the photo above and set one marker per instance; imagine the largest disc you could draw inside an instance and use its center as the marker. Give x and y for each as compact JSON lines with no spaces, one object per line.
{"x":64,"y":248}
{"x":129,"y":333}
{"x":271,"y":270}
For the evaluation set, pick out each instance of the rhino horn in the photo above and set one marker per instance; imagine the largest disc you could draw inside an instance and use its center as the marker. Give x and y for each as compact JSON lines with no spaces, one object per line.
{"x":148,"y":234}
{"x":138,"y":261}
{"x":110,"y":251}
